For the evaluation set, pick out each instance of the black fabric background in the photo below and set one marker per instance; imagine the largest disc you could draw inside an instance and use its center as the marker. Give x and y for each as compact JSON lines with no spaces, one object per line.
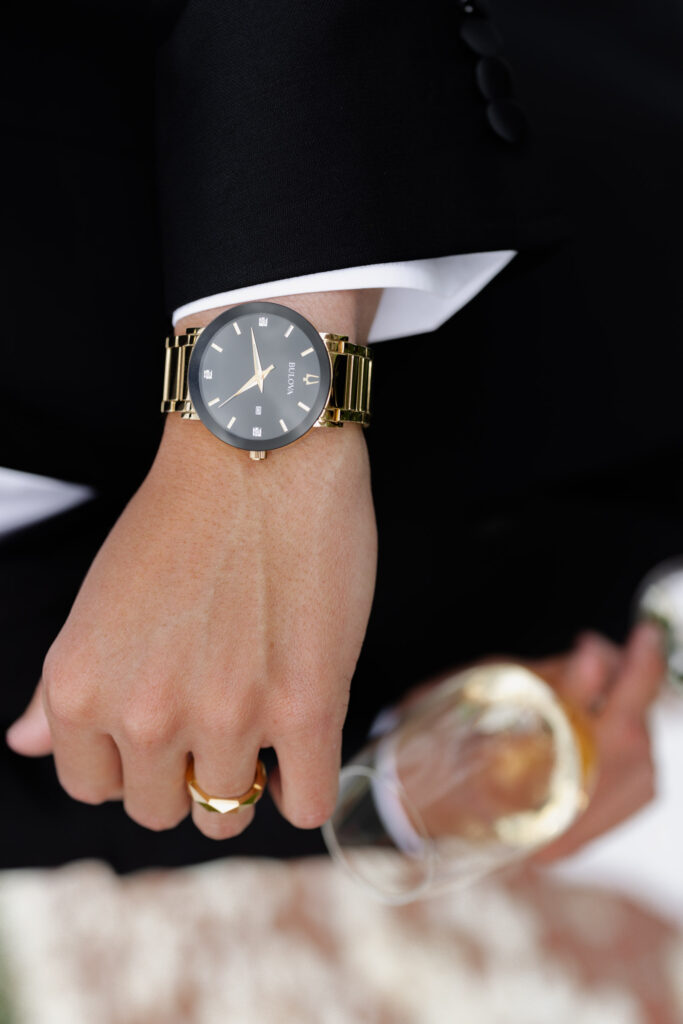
{"x":161,"y":154}
{"x":344,"y":134}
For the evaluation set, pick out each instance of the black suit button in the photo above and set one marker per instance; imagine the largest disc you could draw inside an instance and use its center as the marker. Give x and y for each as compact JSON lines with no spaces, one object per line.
{"x":507,"y":120}
{"x":493,"y":78}
{"x":481,"y":37}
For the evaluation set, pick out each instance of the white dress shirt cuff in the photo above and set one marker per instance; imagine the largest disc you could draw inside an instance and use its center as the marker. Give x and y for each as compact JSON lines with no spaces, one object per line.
{"x":418,"y":297}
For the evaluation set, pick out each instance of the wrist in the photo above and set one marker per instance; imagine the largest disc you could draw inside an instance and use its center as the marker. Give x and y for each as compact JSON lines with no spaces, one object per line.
{"x":194,"y":466}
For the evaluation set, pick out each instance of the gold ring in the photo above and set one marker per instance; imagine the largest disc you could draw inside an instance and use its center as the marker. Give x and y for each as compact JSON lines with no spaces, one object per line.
{"x":226,"y":804}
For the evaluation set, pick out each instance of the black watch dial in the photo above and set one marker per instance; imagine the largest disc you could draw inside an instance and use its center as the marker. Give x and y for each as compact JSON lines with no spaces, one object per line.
{"x":259,"y":376}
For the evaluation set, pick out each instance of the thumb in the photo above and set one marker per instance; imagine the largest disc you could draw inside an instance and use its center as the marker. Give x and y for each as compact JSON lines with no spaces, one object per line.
{"x":30,"y":734}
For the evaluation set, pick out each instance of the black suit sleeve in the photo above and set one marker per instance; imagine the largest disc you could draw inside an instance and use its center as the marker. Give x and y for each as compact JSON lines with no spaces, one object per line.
{"x":300,"y":137}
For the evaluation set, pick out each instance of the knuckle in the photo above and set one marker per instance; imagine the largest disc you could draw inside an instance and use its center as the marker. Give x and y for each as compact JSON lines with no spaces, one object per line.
{"x":147,"y":728}
{"x":67,"y":702}
{"x":228,"y":715}
{"x":241,"y":713}
{"x":311,"y":719}
{"x":221,"y":730}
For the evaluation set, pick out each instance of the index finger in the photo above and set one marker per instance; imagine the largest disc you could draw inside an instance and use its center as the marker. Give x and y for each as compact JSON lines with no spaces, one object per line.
{"x":641,"y":675}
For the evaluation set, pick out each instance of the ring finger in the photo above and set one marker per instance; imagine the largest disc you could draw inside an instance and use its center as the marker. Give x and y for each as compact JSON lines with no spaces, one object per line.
{"x":224,"y":768}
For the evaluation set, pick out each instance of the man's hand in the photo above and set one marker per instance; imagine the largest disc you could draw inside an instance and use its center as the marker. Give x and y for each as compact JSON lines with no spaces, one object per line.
{"x":225,"y":612}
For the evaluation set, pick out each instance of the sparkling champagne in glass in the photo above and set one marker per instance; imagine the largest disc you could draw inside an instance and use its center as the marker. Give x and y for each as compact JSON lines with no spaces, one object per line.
{"x":486,"y":768}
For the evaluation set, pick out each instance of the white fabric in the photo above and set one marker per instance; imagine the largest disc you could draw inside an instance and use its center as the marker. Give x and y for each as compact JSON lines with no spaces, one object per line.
{"x":642,"y":857}
{"x":418,"y":296}
{"x":26,"y":498}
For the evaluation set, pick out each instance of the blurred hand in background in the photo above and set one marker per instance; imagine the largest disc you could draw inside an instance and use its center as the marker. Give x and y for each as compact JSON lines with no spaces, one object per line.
{"x":613,"y":686}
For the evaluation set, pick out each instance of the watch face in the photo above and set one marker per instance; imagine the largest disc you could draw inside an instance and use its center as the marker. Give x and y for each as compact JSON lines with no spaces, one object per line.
{"x":259,"y":376}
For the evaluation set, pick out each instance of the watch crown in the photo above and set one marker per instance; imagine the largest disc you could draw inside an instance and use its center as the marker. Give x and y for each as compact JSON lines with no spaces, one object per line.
{"x":257,"y":456}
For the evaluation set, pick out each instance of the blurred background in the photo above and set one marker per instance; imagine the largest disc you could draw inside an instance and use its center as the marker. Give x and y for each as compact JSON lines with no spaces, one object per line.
{"x":596,"y":938}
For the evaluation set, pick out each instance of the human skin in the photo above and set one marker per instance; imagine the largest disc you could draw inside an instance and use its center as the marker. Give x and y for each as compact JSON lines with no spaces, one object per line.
{"x":187,"y":636}
{"x":224,"y":613}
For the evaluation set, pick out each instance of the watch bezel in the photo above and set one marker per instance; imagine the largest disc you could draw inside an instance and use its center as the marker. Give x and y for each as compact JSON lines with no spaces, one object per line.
{"x":204,"y":340}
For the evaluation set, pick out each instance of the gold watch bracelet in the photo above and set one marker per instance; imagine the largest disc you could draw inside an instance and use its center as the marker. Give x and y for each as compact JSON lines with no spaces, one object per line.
{"x":347,"y":402}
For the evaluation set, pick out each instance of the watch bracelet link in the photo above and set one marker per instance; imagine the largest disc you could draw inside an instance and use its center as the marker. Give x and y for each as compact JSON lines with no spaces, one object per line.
{"x":349,"y":400}
{"x":176,"y":394}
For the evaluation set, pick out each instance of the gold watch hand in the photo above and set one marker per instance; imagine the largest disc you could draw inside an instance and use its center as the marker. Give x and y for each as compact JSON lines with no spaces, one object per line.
{"x":258,"y":372}
{"x":251,"y":383}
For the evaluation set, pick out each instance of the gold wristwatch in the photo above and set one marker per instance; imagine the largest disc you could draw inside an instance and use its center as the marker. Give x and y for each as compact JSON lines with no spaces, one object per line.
{"x":260,"y":376}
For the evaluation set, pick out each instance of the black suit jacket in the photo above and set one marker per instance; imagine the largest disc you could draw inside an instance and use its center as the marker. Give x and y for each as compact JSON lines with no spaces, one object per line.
{"x":166,"y":152}
{"x":157,"y":154}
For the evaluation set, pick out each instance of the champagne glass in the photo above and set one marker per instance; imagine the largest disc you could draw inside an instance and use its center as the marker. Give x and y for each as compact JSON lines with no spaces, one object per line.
{"x":485,"y":768}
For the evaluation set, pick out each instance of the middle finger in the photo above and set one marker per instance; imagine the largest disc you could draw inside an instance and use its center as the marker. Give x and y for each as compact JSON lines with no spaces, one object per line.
{"x":154,"y":790}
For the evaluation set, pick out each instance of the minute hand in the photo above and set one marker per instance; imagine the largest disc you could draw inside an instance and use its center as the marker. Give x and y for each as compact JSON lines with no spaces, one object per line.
{"x":251,"y":383}
{"x":258,"y":372}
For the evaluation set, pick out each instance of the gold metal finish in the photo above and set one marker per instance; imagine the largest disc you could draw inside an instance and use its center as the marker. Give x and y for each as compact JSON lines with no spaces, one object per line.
{"x":176,"y":396}
{"x":349,"y":399}
{"x":258,"y":372}
{"x":227,"y":804}
{"x":251,"y":383}
{"x":347,"y":402}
